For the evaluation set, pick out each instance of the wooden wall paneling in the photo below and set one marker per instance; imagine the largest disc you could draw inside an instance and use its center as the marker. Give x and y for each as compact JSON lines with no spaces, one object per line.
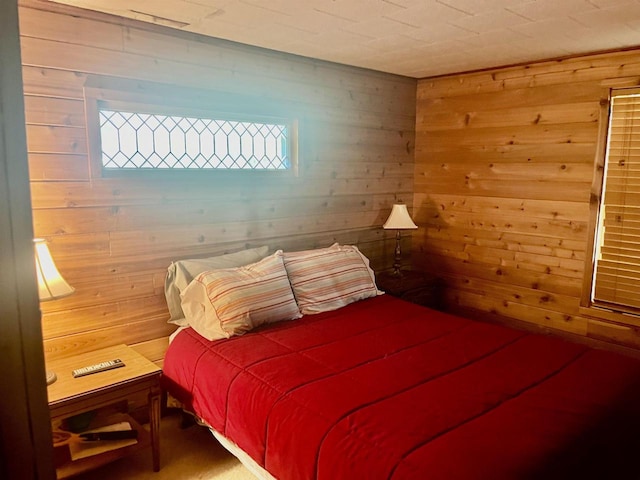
{"x":57,"y":167}
{"x":570,"y":229}
{"x":560,"y":172}
{"x":443,"y":261}
{"x":112,"y":192}
{"x":544,"y":265}
{"x":588,"y":68}
{"x":157,"y":42}
{"x":52,"y":82}
{"x":365,"y":153}
{"x":88,"y":59}
{"x":530,"y":134}
{"x":140,"y":241}
{"x":360,"y":85}
{"x":103,"y":265}
{"x":64,"y":248}
{"x":613,"y":332}
{"x":53,"y":221}
{"x":153,"y":349}
{"x":361,"y":136}
{"x":504,"y":167}
{"x":115,"y":288}
{"x":41,"y":24}
{"x":541,"y":316}
{"x":114,"y":237}
{"x":53,"y":111}
{"x":514,"y":293}
{"x":519,"y":251}
{"x":25,"y":428}
{"x":128,"y":333}
{"x":525,"y":189}
{"x":84,"y":319}
{"x":534,"y":154}
{"x":56,"y":139}
{"x":527,"y":96}
{"x":337,"y":169}
{"x":533,"y":208}
{"x":521,"y":242}
{"x":435,"y":120}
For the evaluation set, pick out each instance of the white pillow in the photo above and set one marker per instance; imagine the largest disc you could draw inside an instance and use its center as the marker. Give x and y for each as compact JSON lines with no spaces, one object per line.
{"x":182,"y":272}
{"x":329,"y":278}
{"x":232,"y":301}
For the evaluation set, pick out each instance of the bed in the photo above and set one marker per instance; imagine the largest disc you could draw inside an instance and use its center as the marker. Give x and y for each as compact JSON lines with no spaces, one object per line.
{"x":382,"y":388}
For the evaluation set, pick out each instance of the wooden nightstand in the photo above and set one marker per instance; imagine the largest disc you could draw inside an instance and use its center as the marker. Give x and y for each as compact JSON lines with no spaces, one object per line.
{"x":413,"y":286}
{"x":99,"y":392}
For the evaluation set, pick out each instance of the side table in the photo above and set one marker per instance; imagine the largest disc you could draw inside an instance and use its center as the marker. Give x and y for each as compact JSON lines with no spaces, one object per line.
{"x":414,"y":286}
{"x":96,"y":394}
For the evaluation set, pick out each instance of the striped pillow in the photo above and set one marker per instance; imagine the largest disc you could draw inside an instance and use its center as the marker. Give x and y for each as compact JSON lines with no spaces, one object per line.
{"x":232,"y":301}
{"x":181,"y":272}
{"x":329,"y":278}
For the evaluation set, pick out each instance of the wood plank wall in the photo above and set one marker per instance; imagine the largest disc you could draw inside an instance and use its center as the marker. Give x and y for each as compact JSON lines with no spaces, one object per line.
{"x":113,"y":238}
{"x":504,"y":167}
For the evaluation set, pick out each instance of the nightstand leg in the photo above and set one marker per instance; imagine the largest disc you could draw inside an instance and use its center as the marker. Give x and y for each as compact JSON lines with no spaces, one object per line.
{"x":154,"y":424}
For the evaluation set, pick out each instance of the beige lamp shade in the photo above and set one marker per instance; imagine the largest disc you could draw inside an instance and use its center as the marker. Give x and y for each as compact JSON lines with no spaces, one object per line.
{"x":399,"y":219}
{"x":51,"y":285}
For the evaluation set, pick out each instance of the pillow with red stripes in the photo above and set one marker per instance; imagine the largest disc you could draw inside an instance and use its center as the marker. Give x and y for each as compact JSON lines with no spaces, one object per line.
{"x":181,"y":272}
{"x":329,"y":278}
{"x":231,"y":301}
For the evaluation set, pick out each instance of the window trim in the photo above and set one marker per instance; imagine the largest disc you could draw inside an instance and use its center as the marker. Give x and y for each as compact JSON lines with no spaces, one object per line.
{"x":165,"y":100}
{"x":601,"y":310}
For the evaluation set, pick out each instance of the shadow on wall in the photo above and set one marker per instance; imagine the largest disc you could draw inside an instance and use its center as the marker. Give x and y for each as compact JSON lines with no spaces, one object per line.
{"x":431,"y":237}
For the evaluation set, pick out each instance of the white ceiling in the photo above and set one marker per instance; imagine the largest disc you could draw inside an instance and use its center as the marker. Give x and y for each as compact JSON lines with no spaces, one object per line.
{"x":416,"y":38}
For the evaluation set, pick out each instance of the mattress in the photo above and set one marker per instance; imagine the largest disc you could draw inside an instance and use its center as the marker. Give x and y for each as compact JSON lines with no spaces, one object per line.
{"x":383,"y":388}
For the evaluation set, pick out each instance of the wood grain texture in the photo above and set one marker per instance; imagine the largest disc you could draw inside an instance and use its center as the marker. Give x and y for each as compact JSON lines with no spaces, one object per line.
{"x":25,"y":431}
{"x":504,"y":166}
{"x":113,"y":238}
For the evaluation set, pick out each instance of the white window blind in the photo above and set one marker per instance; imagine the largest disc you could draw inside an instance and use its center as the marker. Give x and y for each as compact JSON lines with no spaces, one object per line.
{"x":616,"y":281}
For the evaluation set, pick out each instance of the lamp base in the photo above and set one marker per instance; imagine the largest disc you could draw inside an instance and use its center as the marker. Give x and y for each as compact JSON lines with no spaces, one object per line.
{"x":51,"y":377}
{"x":396,"y":273}
{"x":397,"y":261}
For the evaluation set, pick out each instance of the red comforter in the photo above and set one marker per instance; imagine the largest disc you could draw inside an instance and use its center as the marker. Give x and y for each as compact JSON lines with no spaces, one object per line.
{"x":386,"y":389}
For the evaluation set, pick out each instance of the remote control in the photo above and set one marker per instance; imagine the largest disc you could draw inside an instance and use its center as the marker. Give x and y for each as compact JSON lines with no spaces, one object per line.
{"x":98,"y":367}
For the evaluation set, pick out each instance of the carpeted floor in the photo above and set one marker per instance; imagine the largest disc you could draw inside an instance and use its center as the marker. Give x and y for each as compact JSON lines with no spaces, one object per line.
{"x":185,"y":454}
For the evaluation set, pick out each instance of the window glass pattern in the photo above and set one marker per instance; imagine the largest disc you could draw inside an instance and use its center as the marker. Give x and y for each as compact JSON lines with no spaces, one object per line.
{"x":143,"y":141}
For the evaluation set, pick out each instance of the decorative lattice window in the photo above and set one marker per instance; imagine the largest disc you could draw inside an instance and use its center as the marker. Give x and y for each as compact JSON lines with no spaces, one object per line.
{"x":149,"y":128}
{"x":133,"y":140}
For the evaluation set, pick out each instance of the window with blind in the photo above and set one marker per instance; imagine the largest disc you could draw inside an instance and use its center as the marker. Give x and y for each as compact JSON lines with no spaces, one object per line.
{"x":616,"y":274}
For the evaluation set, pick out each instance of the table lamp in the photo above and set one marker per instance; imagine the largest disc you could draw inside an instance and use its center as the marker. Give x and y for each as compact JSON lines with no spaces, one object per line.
{"x":51,"y":285}
{"x":399,"y":219}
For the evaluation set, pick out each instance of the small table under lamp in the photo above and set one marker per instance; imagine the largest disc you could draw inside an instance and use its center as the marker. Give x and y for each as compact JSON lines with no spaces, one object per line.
{"x":399,"y":219}
{"x":51,"y":285}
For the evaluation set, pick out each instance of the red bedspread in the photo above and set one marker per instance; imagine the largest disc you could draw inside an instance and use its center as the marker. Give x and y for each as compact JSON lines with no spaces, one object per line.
{"x":386,"y":389}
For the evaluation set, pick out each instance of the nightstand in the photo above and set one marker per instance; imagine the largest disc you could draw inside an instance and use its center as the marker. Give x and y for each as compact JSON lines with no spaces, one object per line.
{"x":96,"y":396}
{"x":414,"y":286}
